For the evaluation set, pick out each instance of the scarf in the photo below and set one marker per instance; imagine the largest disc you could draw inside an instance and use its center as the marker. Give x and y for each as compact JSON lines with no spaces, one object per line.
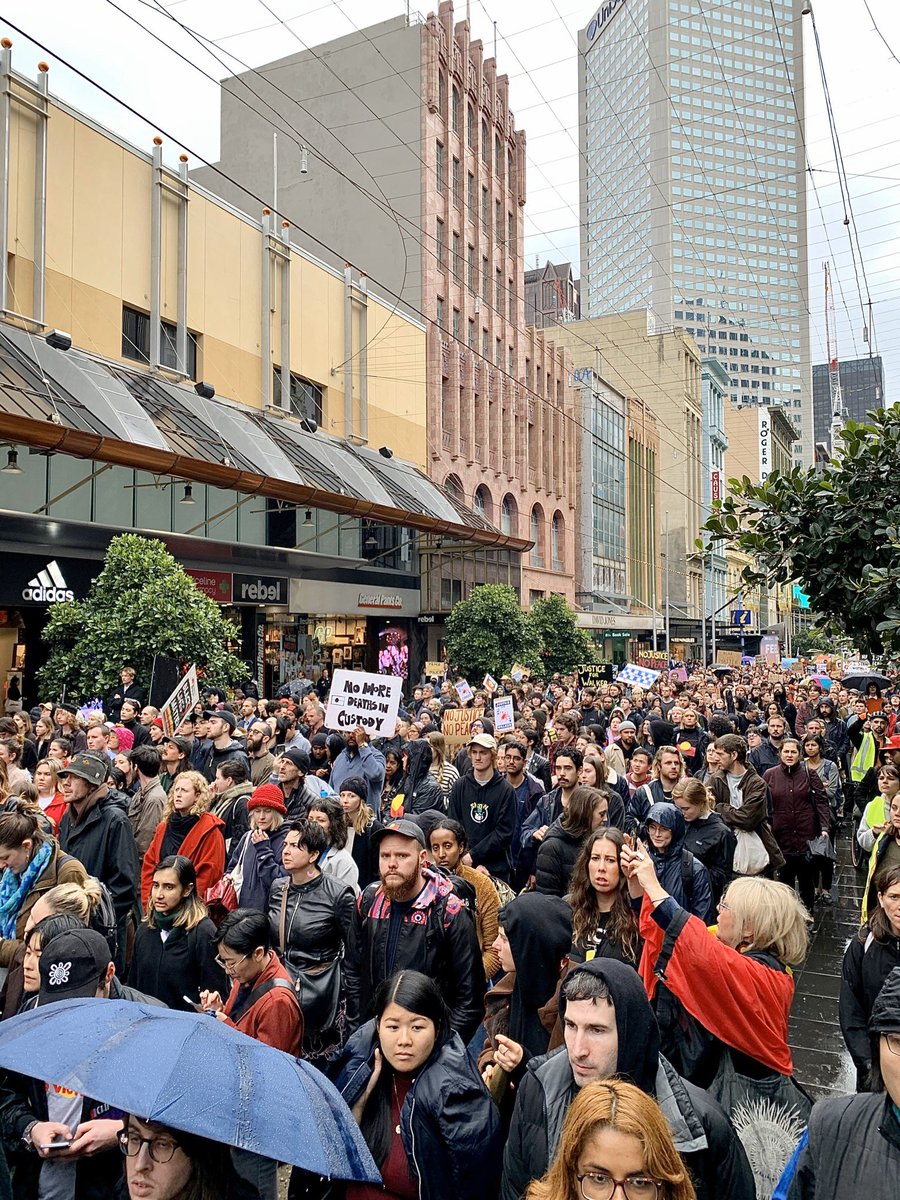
{"x":166,"y":920}
{"x":178,"y":827}
{"x":14,"y":889}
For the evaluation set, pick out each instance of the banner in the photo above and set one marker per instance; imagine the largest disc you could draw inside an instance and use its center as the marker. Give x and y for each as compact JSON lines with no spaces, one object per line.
{"x":456,"y":726}
{"x":654,"y":662}
{"x":182,"y":700}
{"x":357,"y":698}
{"x":435,"y":670}
{"x":642,"y":676}
{"x":463,"y":690}
{"x":504,"y":721}
{"x":593,"y":674}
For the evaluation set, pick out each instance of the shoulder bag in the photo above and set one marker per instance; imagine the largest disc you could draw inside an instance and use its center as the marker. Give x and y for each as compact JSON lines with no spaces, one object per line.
{"x":318,"y":986}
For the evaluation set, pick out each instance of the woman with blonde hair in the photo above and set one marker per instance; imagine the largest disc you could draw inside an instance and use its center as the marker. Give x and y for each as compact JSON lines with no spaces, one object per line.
{"x":187,"y":828}
{"x":615,"y":1142}
{"x":444,"y":772}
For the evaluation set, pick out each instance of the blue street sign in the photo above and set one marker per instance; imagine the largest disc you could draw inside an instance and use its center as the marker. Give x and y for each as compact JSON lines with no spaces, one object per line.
{"x":741,"y":616}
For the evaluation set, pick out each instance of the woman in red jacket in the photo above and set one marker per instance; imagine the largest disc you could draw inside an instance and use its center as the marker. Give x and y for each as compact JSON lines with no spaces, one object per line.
{"x":187,"y":828}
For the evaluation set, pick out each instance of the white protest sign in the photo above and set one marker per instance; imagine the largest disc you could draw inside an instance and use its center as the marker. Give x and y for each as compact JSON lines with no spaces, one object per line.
{"x":463,"y":690}
{"x":490,"y":684}
{"x":504,"y":721}
{"x":182,"y":700}
{"x":357,"y":698}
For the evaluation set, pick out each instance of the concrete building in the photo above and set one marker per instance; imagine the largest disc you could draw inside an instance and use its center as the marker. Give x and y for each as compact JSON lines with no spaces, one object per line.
{"x":215,"y":385}
{"x":551,"y":295}
{"x":862,"y":389}
{"x":693,"y":193}
{"x":663,"y":369}
{"x":416,"y":174}
{"x":715,"y":445}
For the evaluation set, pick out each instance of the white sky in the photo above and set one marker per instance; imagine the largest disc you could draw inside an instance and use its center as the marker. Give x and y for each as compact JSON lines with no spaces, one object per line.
{"x":536,"y":49}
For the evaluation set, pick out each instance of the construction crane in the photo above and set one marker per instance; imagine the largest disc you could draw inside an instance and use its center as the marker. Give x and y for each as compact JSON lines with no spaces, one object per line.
{"x":834,"y":366}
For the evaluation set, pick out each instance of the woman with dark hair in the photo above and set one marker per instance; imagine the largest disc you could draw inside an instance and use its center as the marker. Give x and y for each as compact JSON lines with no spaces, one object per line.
{"x":603,"y":921}
{"x":449,"y":844}
{"x":393,"y":783}
{"x":336,"y":860}
{"x":309,"y":917}
{"x":605,"y":777}
{"x":815,"y":758}
{"x":424,"y":1111}
{"x":557,"y":854}
{"x":361,"y":825}
{"x":168,"y":1164}
{"x":31,"y":863}
{"x":868,"y":960}
{"x":174,"y":948}
{"x":319,"y":760}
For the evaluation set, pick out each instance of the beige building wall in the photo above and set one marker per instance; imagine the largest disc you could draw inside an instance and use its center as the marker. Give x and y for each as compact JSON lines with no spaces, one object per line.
{"x":98,"y":254}
{"x":663,"y":369}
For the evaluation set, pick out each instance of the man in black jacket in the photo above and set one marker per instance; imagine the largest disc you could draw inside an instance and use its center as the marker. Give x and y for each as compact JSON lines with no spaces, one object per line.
{"x":485,"y":805}
{"x":127,"y":690}
{"x":96,"y":830}
{"x":412,"y":920}
{"x":610,"y":1030}
{"x":222,"y":744}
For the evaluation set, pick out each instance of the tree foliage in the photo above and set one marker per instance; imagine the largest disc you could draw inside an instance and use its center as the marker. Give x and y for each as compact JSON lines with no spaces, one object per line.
{"x":141,"y":604}
{"x":835,"y":531}
{"x":489,"y":632}
{"x":562,"y":645}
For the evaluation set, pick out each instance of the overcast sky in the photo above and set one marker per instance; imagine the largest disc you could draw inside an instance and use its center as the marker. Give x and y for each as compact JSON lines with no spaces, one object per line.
{"x":536,"y":48}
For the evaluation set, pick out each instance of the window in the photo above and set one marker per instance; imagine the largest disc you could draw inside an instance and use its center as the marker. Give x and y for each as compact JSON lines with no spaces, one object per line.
{"x":498,"y":157}
{"x":485,"y":345}
{"x":510,"y":234}
{"x":557,"y":542}
{"x":498,"y":221}
{"x":454,"y":109}
{"x":498,"y":292}
{"x":473,"y":341}
{"x":456,"y":327}
{"x":512,"y":301}
{"x":305,"y":397}
{"x":440,"y":245}
{"x":441,"y":313}
{"x":136,"y":342}
{"x":470,"y":196}
{"x":483,"y":504}
{"x":457,"y":257}
{"x":442,"y":93}
{"x":457,"y":184}
{"x":485,"y":143}
{"x":473,"y":270}
{"x":485,"y":280}
{"x":485,"y":208}
{"x":440,"y":169}
{"x":471,"y":126}
{"x":509,"y":517}
{"x":536,"y":534}
{"x":498,"y":353}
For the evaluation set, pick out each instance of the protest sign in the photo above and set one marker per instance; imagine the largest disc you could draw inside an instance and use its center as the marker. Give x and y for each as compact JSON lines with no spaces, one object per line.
{"x":517,"y":672}
{"x":593,"y":674}
{"x":728,"y":658}
{"x":653,"y":662}
{"x":435,"y":670}
{"x":357,"y":698}
{"x":463,"y":690}
{"x":182,"y":700}
{"x":644,"y":677}
{"x":504,"y":722}
{"x":490,"y":685}
{"x":456,"y":726}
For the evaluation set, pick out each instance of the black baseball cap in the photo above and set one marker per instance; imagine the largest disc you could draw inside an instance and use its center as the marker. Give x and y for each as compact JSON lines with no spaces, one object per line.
{"x":223,"y":714}
{"x":183,"y":744}
{"x":72,"y":965}
{"x":402,"y":827}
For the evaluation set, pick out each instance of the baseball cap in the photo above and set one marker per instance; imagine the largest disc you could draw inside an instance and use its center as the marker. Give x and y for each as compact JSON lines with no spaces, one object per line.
{"x":404,"y":828}
{"x":299,"y":758}
{"x":223,"y":715}
{"x":72,"y":964}
{"x":483,"y":739}
{"x":89,"y":766}
{"x":183,"y":744}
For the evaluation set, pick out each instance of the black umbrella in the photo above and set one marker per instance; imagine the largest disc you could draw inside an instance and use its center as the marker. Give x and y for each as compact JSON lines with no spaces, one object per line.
{"x":861,"y":682}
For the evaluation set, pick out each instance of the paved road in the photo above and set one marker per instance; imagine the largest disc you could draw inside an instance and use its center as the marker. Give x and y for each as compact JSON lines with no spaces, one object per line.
{"x":821,"y":1061}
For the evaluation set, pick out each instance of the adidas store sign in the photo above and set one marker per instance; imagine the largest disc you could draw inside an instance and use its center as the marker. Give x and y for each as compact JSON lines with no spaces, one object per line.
{"x":48,"y":586}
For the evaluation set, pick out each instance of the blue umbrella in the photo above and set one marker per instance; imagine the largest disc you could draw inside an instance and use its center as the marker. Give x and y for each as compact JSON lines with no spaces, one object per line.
{"x":191,"y":1072}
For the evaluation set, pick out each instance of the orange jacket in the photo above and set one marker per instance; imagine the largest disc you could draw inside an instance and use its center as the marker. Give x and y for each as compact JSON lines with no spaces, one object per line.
{"x":204,"y":846}
{"x":275,"y":1018}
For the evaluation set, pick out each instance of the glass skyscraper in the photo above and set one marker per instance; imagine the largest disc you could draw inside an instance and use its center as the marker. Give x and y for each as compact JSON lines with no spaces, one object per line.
{"x":693,"y":200}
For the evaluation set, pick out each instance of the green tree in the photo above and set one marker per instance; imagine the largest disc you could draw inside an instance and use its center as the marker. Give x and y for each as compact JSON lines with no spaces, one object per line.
{"x":561,"y":645}
{"x":142,"y":603}
{"x":834,"y":531}
{"x":488,"y":632}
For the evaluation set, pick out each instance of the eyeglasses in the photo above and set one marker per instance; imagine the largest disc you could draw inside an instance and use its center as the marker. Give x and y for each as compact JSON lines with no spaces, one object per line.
{"x":161,"y":1147}
{"x":893,"y":1042}
{"x":228,"y":967}
{"x":601,"y":1186}
{"x":722,"y":906}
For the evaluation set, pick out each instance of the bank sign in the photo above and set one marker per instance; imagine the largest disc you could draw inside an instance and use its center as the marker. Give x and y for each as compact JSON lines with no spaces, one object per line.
{"x":605,"y":11}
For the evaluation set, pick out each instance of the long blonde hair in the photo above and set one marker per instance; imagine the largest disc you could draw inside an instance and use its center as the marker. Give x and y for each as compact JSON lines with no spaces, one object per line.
{"x":624,"y":1108}
{"x":202,"y":790}
{"x":774,"y":915}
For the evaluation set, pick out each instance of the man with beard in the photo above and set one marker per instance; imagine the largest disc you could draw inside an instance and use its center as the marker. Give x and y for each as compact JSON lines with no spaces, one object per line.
{"x":627,"y":742}
{"x":257,"y":744}
{"x":412,"y":920}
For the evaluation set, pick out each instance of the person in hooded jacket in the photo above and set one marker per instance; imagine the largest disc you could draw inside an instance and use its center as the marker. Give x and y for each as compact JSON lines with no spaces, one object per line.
{"x":418,"y":788}
{"x":423,"y":1109}
{"x":534,"y":937}
{"x":462,"y":760}
{"x":588,"y":809}
{"x":682,"y":874}
{"x":868,"y":960}
{"x":837,"y":739}
{"x":610,"y":1030}
{"x":485,"y":805}
{"x":852,"y":1143}
{"x":705,"y":833}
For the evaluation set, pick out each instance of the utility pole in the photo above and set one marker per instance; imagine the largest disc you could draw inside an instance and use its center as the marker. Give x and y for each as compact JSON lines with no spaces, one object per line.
{"x":712,"y":574}
{"x":668,"y":641}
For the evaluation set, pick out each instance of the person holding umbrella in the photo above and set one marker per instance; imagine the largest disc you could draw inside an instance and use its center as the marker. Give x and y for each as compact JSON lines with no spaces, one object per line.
{"x":168,"y":1164}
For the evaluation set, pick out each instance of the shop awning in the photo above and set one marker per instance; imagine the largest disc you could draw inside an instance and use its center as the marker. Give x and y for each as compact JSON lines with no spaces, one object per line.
{"x":76,"y":404}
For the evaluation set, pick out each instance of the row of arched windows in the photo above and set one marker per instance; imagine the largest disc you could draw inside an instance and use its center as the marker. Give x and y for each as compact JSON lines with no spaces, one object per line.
{"x":508,"y":520}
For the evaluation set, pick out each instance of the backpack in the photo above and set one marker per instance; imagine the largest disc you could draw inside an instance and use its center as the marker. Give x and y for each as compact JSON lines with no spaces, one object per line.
{"x":687,"y":878}
{"x":103,"y":917}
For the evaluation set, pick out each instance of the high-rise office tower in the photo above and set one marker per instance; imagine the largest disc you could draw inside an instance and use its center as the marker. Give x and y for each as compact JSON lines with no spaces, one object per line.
{"x":862,"y":389}
{"x":692,"y":183}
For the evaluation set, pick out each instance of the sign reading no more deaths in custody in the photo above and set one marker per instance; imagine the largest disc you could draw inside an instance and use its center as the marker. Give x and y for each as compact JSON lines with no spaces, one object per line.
{"x":357,"y":698}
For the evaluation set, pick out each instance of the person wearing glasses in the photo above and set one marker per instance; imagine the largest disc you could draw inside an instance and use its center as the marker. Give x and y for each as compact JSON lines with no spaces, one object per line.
{"x":167,"y":1164}
{"x":852,"y":1144}
{"x":615,"y":1143}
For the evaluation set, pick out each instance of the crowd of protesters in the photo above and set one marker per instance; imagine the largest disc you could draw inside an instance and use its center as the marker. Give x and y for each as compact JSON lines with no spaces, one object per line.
{"x":553,"y":962}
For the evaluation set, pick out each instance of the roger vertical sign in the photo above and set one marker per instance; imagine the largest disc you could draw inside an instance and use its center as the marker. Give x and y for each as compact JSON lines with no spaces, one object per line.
{"x":368,"y":700}
{"x":765,"y":445}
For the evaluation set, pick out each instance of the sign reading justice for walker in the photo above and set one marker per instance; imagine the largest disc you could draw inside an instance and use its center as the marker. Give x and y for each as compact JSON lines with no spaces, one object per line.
{"x":357,"y":698}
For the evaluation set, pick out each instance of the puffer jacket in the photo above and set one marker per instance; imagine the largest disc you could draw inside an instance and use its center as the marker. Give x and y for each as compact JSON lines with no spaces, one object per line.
{"x":449,"y":1126}
{"x":711,"y":841}
{"x":853,"y":1150}
{"x":556,"y":858}
{"x":675,"y":864}
{"x":799,"y":807}
{"x":421,"y":791}
{"x":867,"y":964}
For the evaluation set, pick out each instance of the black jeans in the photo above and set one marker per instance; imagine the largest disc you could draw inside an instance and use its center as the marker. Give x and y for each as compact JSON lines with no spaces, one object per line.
{"x":800,"y":870}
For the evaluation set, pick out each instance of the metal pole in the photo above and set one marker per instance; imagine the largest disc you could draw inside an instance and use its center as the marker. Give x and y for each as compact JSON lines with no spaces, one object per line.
{"x":5,"y":129}
{"x":712,"y":572}
{"x":651,"y":550}
{"x":668,"y":640}
{"x":703,"y":610}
